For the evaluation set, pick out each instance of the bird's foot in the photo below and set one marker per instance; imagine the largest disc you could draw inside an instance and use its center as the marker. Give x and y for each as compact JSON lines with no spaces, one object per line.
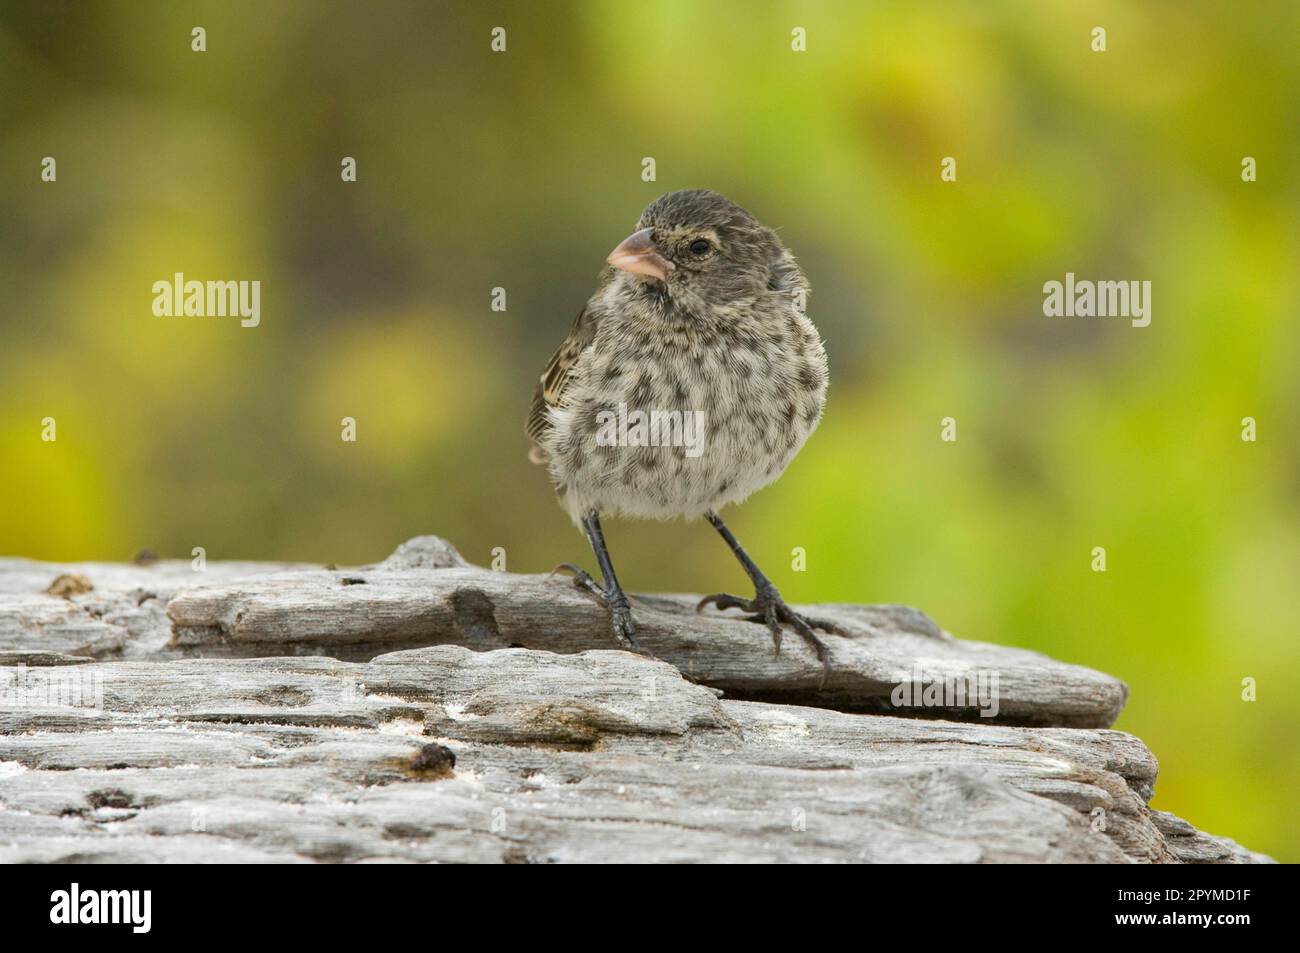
{"x":620,"y":613}
{"x":769,"y":608}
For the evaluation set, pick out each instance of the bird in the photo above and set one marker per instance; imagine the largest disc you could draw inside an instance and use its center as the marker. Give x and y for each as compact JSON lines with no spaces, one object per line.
{"x":698,"y":325}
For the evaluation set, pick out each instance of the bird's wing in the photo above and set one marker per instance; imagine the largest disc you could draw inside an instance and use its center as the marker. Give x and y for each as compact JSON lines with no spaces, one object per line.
{"x":555,"y":379}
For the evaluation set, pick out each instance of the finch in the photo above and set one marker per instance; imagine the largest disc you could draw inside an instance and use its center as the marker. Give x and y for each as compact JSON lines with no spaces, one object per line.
{"x":691,"y":379}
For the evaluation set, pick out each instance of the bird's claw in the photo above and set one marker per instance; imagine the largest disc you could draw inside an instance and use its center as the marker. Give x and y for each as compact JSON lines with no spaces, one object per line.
{"x":725,"y":600}
{"x":581,"y":579}
{"x":620,"y":618}
{"x":620,"y":613}
{"x":769,"y":608}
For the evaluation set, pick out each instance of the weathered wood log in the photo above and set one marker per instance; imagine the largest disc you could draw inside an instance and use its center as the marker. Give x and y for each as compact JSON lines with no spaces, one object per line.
{"x":425,"y":594}
{"x":122,"y":740}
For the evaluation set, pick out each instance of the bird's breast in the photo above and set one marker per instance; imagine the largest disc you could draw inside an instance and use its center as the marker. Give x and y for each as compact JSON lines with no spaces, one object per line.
{"x":683,"y":422}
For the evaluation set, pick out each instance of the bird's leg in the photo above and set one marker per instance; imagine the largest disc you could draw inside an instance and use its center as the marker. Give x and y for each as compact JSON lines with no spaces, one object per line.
{"x":620,"y":614}
{"x":767,"y":606}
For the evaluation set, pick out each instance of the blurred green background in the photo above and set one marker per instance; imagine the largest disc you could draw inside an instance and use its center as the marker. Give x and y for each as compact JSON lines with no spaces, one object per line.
{"x":522,"y":170}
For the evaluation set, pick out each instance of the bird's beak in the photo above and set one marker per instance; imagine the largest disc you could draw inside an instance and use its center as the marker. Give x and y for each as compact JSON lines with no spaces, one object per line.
{"x":641,"y":256}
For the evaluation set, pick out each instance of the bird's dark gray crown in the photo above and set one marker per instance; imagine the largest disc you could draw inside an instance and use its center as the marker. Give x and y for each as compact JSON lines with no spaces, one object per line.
{"x":698,"y":207}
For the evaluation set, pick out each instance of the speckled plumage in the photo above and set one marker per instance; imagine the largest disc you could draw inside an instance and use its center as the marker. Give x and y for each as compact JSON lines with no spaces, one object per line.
{"x":724,"y":335}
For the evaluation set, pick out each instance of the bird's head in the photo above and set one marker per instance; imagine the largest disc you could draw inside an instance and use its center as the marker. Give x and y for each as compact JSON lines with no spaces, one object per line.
{"x":705,"y":253}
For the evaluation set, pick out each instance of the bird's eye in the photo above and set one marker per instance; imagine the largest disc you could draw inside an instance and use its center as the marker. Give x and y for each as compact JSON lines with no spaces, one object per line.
{"x":700,"y":247}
